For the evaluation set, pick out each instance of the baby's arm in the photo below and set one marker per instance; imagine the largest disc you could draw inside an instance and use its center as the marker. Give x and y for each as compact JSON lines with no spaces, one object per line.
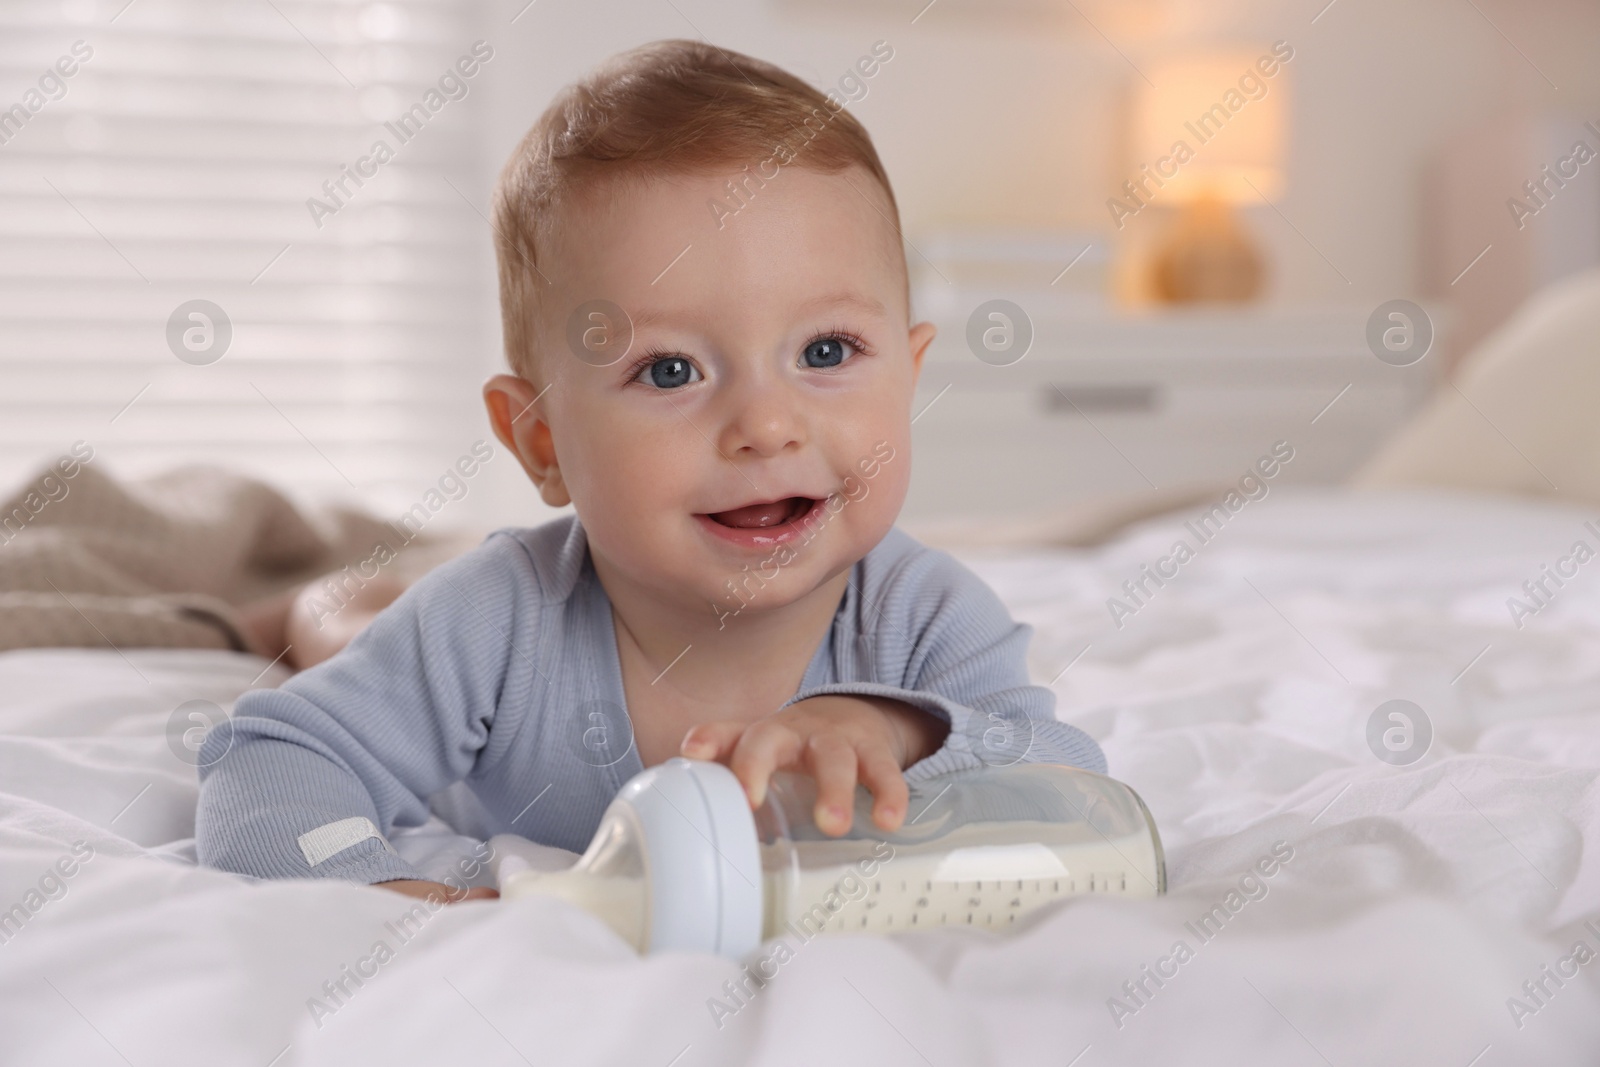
{"x":308,"y":780}
{"x":940,"y":639}
{"x":953,"y":656}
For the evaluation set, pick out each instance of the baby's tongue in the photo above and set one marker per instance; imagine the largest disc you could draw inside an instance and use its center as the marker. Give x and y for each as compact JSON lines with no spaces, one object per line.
{"x":756,"y":516}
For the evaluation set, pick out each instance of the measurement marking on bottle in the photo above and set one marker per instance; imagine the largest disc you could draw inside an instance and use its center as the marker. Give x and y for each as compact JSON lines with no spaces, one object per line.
{"x":980,"y":902}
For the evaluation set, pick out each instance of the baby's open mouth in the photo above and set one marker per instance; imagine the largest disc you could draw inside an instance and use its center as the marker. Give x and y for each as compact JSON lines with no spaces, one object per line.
{"x":762,"y":516}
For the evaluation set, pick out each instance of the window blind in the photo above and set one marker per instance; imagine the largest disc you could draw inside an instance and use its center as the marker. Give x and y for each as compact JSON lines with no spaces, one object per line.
{"x":182,"y":160}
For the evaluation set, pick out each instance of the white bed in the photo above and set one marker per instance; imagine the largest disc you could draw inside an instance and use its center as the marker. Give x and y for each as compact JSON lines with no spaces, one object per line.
{"x":1418,"y":899}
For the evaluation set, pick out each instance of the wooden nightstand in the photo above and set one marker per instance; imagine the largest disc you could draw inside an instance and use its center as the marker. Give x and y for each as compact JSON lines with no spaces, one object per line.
{"x":1104,"y":403}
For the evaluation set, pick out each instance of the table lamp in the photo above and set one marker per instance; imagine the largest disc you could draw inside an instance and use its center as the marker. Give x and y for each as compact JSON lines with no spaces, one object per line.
{"x":1208,"y":133}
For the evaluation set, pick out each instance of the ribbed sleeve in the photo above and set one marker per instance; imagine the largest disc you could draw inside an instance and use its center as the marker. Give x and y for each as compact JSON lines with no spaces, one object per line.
{"x":400,"y":714}
{"x":930,"y":633}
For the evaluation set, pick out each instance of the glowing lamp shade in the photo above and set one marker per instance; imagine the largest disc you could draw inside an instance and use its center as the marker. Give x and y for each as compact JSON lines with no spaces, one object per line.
{"x":1212,"y":126}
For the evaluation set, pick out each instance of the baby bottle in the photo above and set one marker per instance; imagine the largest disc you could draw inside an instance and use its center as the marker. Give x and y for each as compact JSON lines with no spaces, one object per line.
{"x":681,"y":862}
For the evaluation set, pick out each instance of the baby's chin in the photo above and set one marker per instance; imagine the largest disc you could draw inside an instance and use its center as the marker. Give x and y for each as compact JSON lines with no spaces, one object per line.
{"x":752,"y":583}
{"x":759,"y":592}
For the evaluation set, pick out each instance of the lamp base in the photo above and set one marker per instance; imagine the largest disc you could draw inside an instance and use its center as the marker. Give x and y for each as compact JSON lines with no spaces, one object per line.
{"x":1207,"y":256}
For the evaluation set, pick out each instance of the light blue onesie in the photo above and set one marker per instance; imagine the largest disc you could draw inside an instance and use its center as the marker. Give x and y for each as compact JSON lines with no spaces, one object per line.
{"x":499,"y":669}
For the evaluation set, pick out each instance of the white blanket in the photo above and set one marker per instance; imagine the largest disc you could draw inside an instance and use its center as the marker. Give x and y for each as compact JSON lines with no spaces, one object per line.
{"x":1418,"y":900}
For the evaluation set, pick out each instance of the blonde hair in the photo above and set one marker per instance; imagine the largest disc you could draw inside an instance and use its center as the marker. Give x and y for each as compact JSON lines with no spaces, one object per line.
{"x":666,"y":107}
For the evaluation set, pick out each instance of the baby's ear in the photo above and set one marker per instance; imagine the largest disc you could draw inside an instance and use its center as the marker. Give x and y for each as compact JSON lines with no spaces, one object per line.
{"x":517,"y":424}
{"x":922,"y":335}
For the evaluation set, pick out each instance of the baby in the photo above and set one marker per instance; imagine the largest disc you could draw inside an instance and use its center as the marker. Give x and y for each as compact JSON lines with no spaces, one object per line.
{"x":706,"y":314}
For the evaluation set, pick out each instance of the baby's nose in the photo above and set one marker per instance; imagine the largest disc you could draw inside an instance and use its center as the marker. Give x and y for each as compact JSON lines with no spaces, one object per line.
{"x":764,"y":421}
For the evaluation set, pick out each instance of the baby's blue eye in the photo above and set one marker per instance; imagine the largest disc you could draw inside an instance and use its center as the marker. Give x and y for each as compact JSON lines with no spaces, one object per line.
{"x":825,"y":352}
{"x":670,"y":372}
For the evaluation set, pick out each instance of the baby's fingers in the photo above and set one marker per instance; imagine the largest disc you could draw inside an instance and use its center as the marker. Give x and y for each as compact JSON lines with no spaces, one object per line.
{"x":833,"y":765}
{"x":881,"y":774}
{"x":711,"y":740}
{"x":477,"y":893}
{"x":764,"y":747}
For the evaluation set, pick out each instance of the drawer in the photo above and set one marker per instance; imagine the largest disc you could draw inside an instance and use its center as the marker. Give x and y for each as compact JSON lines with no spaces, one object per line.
{"x":1014,"y":452}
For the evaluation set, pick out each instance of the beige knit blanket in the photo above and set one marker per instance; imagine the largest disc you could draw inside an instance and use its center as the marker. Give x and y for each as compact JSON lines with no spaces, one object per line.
{"x":89,"y":560}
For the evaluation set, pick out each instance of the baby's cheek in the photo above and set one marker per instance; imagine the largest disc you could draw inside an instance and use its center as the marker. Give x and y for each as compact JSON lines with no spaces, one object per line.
{"x":639,"y":470}
{"x":885,"y":472}
{"x":875,"y":493}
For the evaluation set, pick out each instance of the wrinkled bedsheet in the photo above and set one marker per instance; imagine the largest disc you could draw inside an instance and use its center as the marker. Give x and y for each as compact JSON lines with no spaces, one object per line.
{"x":1440,"y":911}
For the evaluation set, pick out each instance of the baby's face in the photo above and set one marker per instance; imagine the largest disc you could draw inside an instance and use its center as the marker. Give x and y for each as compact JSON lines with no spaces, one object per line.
{"x":759,"y":421}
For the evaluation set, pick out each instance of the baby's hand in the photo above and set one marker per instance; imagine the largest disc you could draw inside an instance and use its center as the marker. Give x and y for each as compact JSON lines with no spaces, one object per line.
{"x":830,"y":738}
{"x":413,"y":887}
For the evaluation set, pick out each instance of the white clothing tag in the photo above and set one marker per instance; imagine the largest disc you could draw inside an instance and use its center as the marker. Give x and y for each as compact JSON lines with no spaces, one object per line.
{"x":333,"y":838}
